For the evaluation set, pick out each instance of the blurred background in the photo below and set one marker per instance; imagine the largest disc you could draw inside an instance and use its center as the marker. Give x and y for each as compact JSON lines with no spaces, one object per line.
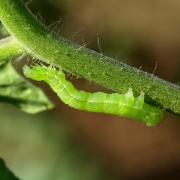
{"x":68,"y":144}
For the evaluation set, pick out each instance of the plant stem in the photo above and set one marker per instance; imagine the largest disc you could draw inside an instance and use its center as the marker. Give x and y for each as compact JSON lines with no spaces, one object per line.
{"x":95,"y":67}
{"x":10,"y":48}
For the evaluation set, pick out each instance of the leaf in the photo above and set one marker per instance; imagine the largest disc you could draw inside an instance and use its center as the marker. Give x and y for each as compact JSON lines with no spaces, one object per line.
{"x":15,"y":90}
{"x":3,"y":31}
{"x":5,"y":173}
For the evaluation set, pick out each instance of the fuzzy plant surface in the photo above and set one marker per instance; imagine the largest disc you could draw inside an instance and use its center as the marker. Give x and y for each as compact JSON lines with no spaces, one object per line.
{"x":32,"y":37}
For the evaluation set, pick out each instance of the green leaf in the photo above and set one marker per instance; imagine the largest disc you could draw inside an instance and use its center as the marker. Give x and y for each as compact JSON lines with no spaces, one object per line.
{"x":3,"y":31}
{"x":15,"y":90}
{"x":5,"y":173}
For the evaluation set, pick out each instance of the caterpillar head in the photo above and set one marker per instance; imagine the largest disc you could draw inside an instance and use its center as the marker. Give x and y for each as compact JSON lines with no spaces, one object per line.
{"x":36,"y":73}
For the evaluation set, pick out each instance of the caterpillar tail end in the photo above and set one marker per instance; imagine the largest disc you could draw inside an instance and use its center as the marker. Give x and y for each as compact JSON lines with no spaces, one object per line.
{"x":154,"y":117}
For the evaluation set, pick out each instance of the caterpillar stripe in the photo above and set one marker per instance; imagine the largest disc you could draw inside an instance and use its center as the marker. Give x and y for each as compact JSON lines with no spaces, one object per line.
{"x":116,"y":104}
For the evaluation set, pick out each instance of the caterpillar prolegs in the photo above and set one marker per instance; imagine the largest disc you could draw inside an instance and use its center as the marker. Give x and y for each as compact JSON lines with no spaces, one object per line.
{"x":116,"y":104}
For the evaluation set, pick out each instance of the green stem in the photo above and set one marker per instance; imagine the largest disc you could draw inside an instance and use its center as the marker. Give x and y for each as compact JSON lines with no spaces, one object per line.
{"x":10,"y":48}
{"x":81,"y":61}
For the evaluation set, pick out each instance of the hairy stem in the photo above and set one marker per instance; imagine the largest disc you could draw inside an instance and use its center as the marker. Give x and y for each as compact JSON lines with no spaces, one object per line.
{"x":95,"y":67}
{"x":10,"y":48}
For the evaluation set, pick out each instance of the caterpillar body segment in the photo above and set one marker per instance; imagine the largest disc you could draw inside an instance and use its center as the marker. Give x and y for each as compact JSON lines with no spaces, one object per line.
{"x":116,"y":104}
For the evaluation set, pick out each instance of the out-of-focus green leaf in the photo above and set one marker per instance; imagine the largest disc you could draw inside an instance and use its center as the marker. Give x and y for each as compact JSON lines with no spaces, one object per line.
{"x":5,"y":173}
{"x":16,"y":90}
{"x":3,"y":31}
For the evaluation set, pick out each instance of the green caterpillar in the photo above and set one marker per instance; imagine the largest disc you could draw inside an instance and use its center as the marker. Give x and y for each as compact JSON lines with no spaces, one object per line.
{"x":116,"y":104}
